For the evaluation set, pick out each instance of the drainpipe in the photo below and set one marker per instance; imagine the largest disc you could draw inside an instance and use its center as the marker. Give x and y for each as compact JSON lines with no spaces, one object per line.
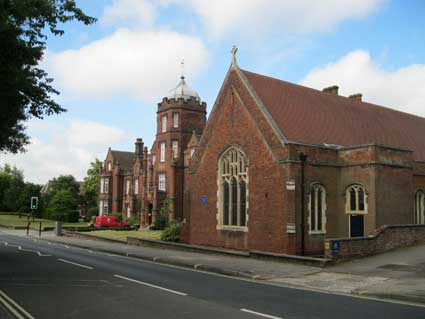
{"x":303,"y":158}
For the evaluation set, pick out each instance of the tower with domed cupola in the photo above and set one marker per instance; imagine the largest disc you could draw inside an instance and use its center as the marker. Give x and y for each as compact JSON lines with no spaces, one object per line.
{"x":180,"y":114}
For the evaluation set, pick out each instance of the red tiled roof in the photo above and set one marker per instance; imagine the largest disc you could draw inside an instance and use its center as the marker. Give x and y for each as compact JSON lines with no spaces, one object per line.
{"x":306,"y":115}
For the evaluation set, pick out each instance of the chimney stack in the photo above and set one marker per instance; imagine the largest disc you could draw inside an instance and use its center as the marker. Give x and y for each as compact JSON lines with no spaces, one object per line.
{"x":331,"y":89}
{"x":357,"y":97}
{"x":138,"y":145}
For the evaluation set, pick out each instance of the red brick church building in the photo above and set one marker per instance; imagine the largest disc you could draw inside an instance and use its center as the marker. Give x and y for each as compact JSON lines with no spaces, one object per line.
{"x":278,"y":167}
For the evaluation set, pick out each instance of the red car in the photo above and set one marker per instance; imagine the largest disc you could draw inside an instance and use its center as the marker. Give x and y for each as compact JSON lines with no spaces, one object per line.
{"x":109,"y":221}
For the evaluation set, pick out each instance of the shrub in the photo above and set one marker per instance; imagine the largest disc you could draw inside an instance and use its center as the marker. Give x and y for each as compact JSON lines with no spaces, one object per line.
{"x":117,"y":215}
{"x":133,"y":220}
{"x":161,"y":220}
{"x":91,"y":212}
{"x":172,"y":232}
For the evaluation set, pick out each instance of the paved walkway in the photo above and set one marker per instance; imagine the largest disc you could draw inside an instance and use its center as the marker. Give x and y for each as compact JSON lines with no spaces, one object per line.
{"x":399,"y":274}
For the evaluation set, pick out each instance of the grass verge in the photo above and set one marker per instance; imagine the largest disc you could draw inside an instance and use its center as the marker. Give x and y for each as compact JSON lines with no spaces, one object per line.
{"x":122,"y":235}
{"x":14,"y":221}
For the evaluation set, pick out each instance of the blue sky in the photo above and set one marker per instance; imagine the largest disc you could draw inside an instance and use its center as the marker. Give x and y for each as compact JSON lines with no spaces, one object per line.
{"x":112,"y":74}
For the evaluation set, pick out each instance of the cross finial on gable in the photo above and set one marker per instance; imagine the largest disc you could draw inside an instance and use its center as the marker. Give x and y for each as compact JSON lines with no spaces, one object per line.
{"x":233,"y":51}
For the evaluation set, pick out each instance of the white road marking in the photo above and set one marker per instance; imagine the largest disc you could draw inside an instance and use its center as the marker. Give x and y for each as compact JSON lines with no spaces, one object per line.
{"x":153,"y":286}
{"x":76,"y":264}
{"x":261,"y":314}
{"x":13,"y":307}
{"x":34,"y":251}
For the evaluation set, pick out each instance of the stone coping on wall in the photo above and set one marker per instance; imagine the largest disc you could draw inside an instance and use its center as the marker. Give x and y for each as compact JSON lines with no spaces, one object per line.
{"x":385,"y":238}
{"x":306,"y":260}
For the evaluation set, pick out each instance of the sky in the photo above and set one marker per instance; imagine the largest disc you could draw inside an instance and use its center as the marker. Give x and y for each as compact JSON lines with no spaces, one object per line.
{"x":112,"y":74}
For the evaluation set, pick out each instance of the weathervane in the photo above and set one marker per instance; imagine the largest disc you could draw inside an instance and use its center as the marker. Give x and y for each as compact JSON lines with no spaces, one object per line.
{"x":233,"y":51}
{"x":182,"y":67}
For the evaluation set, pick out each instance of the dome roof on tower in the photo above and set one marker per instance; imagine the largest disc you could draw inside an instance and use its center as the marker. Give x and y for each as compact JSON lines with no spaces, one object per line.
{"x":182,"y":90}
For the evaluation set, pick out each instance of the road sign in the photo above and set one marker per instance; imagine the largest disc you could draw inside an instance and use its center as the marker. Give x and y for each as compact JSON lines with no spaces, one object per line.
{"x":204,"y":199}
{"x":335,"y":246}
{"x":34,"y":203}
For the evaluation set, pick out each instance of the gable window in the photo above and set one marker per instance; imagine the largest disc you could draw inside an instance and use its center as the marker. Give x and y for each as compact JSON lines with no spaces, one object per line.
{"x":420,"y":207}
{"x":162,"y":152}
{"x":175,"y":120}
{"x":317,"y":209}
{"x":175,"y":149}
{"x":192,"y":151}
{"x":356,"y":200}
{"x":136,"y":185}
{"x":233,"y":189}
{"x":109,"y":166}
{"x":164,"y":124}
{"x":153,"y":159}
{"x":161,"y":182}
{"x":127,"y":187}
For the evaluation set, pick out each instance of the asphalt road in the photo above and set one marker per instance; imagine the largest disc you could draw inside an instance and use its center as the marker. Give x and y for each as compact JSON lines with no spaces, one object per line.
{"x":46,"y":280}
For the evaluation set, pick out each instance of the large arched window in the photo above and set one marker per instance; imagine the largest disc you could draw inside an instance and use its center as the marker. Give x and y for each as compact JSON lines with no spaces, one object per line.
{"x":420,"y":207}
{"x":355,"y":198}
{"x":317,"y":209}
{"x":233,"y":189}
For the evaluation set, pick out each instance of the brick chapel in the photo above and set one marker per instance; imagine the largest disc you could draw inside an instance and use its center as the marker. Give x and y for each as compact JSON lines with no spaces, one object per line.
{"x":277,"y":167}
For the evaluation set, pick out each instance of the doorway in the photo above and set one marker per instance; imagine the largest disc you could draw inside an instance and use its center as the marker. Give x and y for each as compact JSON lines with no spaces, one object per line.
{"x":356,"y":225}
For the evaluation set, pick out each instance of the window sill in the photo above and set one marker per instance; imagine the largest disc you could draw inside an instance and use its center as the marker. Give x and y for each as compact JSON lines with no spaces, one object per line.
{"x":233,"y":228}
{"x":356,"y":213}
{"x":316,"y":232}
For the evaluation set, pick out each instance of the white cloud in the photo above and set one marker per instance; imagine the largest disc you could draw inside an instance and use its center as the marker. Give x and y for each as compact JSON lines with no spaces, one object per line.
{"x":402,"y":89}
{"x":130,"y":12}
{"x":245,"y":17}
{"x":64,"y":148}
{"x":259,"y":17}
{"x":140,"y":64}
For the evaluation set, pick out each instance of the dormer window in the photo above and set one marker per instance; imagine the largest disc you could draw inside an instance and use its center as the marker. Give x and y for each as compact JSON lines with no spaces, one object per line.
{"x":164,"y":124}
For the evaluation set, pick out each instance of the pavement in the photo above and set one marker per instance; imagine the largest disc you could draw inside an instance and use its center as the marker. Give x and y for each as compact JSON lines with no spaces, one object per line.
{"x":398,"y":275}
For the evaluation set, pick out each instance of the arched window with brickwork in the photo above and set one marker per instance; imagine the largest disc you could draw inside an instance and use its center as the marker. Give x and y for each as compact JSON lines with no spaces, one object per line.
{"x":317,"y":209}
{"x":233,"y":189}
{"x":420,"y":207}
{"x":355,"y":200}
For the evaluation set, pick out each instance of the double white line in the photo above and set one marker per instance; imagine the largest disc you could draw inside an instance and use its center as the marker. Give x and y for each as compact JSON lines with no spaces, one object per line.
{"x":13,"y":307}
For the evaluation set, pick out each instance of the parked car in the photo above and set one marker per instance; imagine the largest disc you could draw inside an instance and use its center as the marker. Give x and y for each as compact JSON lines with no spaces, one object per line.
{"x":109,"y":221}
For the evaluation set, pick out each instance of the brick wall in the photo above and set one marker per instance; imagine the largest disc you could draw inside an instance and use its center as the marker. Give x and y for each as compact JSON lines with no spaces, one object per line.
{"x":386,"y":238}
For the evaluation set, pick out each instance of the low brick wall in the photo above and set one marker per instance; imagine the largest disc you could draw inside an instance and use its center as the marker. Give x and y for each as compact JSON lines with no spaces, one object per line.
{"x":385,"y":238}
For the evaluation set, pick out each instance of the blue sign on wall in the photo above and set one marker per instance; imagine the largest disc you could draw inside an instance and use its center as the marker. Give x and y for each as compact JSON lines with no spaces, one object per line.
{"x":204,"y":199}
{"x":335,"y":246}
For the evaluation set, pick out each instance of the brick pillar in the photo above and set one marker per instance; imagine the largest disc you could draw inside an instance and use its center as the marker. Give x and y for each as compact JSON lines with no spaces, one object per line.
{"x":115,"y":190}
{"x":172,"y":192}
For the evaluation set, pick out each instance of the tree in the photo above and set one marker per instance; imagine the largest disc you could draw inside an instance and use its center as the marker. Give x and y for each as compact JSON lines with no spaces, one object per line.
{"x":25,"y":89}
{"x":61,"y":184}
{"x":63,"y":206}
{"x":29,"y":190}
{"x":90,"y":191}
{"x":11,"y":186}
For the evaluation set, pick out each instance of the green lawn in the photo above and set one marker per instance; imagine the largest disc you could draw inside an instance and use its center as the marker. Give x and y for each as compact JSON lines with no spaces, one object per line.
{"x":123,"y":234}
{"x":15,"y":221}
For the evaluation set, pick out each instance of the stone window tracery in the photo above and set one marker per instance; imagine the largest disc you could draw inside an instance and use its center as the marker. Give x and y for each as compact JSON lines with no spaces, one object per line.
{"x":233,"y":190}
{"x":317,"y":209}
{"x":420,"y":207}
{"x":355,"y":197}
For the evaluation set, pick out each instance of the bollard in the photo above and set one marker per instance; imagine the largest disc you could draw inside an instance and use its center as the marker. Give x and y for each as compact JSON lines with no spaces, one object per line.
{"x":58,"y":228}
{"x":39,"y":231}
